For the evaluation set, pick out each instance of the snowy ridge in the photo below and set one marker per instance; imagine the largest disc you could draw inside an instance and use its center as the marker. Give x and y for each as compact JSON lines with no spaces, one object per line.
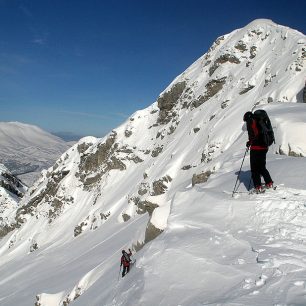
{"x":162,"y":183}
{"x":27,"y":149}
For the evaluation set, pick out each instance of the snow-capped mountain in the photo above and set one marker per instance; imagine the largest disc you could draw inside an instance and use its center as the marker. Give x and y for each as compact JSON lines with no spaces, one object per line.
{"x":27,"y":149}
{"x":162,"y":184}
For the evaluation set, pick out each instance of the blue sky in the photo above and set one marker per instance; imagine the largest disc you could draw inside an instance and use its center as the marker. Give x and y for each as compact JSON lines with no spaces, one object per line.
{"x":85,"y":66}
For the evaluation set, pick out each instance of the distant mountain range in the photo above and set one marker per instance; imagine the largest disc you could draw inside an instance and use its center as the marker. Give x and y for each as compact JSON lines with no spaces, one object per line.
{"x":27,"y":149}
{"x":68,"y":136}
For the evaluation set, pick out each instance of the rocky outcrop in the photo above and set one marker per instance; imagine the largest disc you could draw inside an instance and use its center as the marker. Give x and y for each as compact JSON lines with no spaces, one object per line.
{"x":157,"y":151}
{"x":11,"y":184}
{"x":91,"y":162}
{"x":5,"y":229}
{"x":245,"y":90}
{"x":159,"y":186}
{"x":82,"y":147}
{"x":225,"y":58}
{"x":91,"y":223}
{"x":48,"y":194}
{"x":201,"y":178}
{"x":168,"y":100}
{"x":290,"y":152}
{"x":241,"y":46}
{"x":146,"y":207}
{"x":212,"y":88}
{"x":253,"y":51}
{"x":94,"y":165}
{"x":151,"y":232}
{"x":10,"y":187}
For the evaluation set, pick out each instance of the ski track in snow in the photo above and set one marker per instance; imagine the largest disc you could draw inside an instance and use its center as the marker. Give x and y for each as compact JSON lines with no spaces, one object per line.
{"x":277,"y":235}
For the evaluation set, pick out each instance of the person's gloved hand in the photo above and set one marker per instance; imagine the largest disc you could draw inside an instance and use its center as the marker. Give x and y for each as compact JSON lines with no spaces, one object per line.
{"x":248,"y":144}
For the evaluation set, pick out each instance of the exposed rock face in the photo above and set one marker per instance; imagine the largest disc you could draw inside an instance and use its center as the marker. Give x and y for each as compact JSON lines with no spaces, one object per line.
{"x":128,"y":133}
{"x":126,"y":217}
{"x":241,"y":46}
{"x":82,"y":147}
{"x":212,"y":88}
{"x":253,"y":52}
{"x":11,"y":183}
{"x":224,"y":104}
{"x":144,"y":189}
{"x":167,"y":102}
{"x":201,"y":178}
{"x":48,"y":194}
{"x":157,"y":151}
{"x":91,"y":222}
{"x":5,"y":229}
{"x":290,"y":152}
{"x":91,"y":162}
{"x":159,"y":186}
{"x":100,"y":162}
{"x":12,"y":191}
{"x":146,"y":207}
{"x":151,"y":232}
{"x":245,"y":90}
{"x":221,"y":60}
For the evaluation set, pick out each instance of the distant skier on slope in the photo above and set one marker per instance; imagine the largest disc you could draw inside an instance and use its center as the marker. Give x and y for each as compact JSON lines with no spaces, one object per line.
{"x":126,"y":262}
{"x":258,"y":143}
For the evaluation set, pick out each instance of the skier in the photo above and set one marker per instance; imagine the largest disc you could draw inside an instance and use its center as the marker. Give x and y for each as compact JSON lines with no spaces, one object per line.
{"x":258,"y":153}
{"x":125,"y":262}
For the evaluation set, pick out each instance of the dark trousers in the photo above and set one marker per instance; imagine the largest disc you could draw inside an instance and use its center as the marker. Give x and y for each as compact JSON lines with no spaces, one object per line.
{"x":125,"y":270}
{"x":258,"y":167}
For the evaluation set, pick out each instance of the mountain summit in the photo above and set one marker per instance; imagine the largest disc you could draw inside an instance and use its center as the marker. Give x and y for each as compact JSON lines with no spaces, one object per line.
{"x":161,"y":183}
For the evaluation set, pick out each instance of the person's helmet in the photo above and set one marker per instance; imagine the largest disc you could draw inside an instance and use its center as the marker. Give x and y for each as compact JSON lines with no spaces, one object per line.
{"x":123,"y":251}
{"x":247,"y":116}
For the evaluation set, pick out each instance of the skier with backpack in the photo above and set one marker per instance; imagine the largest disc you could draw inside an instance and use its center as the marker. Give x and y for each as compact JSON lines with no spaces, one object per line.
{"x":261,"y":136}
{"x":126,"y":262}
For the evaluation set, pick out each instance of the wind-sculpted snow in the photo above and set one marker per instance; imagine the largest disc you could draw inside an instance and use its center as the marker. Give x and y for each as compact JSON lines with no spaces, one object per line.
{"x":162,"y":182}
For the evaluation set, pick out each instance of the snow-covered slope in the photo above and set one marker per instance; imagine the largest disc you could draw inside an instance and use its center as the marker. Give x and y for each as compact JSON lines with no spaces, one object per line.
{"x":27,"y":149}
{"x":162,"y":183}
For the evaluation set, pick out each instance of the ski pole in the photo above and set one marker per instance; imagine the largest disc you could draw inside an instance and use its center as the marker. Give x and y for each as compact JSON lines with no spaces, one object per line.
{"x":247,"y":149}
